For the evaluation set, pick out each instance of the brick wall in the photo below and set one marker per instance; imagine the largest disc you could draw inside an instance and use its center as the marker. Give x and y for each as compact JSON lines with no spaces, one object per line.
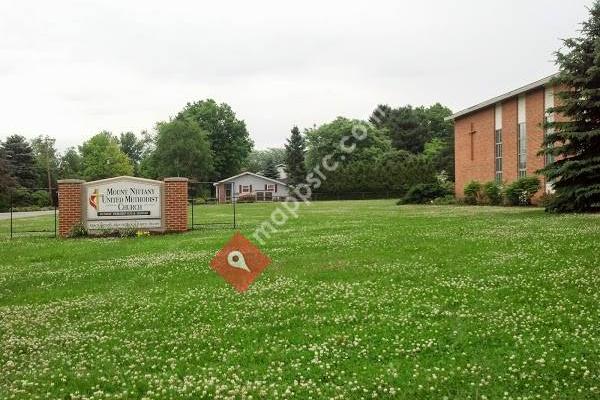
{"x":535,"y":135}
{"x":481,"y":167}
{"x":176,"y":204}
{"x":69,"y":205}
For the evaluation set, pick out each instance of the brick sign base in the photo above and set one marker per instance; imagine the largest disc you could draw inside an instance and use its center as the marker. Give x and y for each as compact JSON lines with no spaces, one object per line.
{"x":72,"y":203}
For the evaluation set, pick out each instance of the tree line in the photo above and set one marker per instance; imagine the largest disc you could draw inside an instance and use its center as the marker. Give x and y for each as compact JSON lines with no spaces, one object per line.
{"x":206,"y":142}
{"x":407,"y":150}
{"x":403,"y":146}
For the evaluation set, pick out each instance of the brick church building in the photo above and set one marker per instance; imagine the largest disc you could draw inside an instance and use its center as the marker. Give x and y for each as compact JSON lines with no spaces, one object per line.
{"x":498,"y":139}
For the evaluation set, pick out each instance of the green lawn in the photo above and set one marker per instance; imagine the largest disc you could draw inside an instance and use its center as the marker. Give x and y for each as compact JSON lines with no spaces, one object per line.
{"x":363,"y":299}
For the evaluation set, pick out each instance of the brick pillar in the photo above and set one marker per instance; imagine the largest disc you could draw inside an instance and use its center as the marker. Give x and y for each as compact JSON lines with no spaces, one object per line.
{"x":176,"y":204}
{"x":69,"y":204}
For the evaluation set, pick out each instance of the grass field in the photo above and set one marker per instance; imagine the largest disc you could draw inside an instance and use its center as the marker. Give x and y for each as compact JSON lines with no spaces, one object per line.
{"x":363,"y":299}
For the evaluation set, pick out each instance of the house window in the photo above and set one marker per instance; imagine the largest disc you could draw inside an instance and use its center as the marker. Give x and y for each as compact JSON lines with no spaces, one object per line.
{"x":522,"y":149}
{"x":498,"y":155}
{"x":270,"y":188}
{"x":245,"y":189}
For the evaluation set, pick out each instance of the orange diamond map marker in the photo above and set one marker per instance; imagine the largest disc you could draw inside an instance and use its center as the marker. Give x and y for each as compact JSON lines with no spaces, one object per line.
{"x":240,"y":262}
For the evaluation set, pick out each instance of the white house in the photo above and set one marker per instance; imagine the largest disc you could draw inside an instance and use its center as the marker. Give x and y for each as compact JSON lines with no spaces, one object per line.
{"x":251,"y":185}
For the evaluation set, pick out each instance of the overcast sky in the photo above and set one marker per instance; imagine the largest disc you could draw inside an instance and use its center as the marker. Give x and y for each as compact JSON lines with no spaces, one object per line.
{"x":69,"y":69}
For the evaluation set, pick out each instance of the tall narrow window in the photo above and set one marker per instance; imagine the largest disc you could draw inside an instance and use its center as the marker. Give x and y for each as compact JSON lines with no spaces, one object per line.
{"x":522,"y":144}
{"x":522,"y":138}
{"x":498,"y":143}
{"x":498,"y":154}
{"x":548,"y":104}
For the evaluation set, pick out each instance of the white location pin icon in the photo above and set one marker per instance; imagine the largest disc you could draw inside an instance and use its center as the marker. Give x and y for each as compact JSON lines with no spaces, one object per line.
{"x":235,"y":259}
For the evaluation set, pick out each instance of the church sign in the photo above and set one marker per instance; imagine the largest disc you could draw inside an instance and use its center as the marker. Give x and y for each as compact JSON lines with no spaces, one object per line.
{"x":123,"y":202}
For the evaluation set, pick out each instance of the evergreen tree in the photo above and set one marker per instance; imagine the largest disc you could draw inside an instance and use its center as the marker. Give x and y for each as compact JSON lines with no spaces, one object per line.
{"x":21,"y":161}
{"x":270,"y":170}
{"x":7,"y":182}
{"x":294,"y":157}
{"x":575,"y":139}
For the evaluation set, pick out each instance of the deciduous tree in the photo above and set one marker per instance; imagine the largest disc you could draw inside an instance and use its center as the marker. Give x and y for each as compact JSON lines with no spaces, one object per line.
{"x":71,"y":165}
{"x":415,"y":128}
{"x":46,"y":162}
{"x":134,"y":148}
{"x":257,"y":159}
{"x":182,"y":149}
{"x":227,"y":136}
{"x":103,"y":158}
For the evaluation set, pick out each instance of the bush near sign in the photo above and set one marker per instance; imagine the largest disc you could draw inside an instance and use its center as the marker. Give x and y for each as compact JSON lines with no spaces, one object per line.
{"x":124,"y":202}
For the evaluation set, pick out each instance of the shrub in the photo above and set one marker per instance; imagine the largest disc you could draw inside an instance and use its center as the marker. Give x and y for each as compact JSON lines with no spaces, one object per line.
{"x":492,"y":193}
{"x":127,"y":232}
{"x":444,"y":201}
{"x":40,"y":198}
{"x":520,"y":192}
{"x":21,"y":197}
{"x":246,"y":198}
{"x":547,"y":200}
{"x":4,"y":203}
{"x":422,"y":193}
{"x":472,"y":193}
{"x":28,"y":208}
{"x":78,"y":230}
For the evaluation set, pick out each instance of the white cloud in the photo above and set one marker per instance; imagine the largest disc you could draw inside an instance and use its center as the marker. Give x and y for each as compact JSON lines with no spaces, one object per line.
{"x":72,"y":68}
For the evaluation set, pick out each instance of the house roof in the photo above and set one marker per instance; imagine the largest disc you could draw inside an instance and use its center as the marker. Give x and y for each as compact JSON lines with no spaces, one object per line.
{"x":250,"y":173}
{"x":498,"y":99}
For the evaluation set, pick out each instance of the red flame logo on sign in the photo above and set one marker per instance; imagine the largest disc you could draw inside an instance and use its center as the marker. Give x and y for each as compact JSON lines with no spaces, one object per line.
{"x":94,"y":199}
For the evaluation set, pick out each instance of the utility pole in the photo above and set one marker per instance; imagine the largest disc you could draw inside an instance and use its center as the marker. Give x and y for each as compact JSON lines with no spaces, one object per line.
{"x":49,"y":174}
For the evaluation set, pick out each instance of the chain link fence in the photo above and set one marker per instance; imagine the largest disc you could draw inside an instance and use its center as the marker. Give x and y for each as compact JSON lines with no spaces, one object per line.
{"x":205,"y":210}
{"x":29,"y":212}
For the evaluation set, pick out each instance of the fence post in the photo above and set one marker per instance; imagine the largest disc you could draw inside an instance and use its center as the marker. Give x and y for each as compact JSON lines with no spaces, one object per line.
{"x":232,"y":200}
{"x":192,"y":203}
{"x":55,"y":219}
{"x":11,"y":215}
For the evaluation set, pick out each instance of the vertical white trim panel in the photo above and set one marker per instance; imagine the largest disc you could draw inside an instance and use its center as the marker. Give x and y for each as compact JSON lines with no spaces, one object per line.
{"x":521,"y":109}
{"x":498,"y":115}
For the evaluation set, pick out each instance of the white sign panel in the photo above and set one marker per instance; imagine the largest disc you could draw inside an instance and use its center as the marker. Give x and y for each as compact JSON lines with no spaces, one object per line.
{"x":123,"y":203}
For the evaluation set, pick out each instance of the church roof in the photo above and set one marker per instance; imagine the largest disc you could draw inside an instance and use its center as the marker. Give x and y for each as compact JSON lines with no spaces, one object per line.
{"x":498,"y":99}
